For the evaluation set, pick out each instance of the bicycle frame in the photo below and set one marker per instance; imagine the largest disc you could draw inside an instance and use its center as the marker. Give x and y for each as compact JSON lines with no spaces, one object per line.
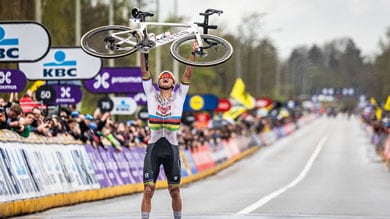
{"x":157,"y":40}
{"x":114,"y":41}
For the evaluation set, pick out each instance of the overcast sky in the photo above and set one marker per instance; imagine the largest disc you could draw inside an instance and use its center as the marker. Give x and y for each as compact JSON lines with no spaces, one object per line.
{"x":292,"y":23}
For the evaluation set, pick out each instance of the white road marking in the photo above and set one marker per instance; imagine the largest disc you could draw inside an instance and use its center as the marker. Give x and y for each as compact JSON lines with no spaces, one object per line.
{"x":293,"y":183}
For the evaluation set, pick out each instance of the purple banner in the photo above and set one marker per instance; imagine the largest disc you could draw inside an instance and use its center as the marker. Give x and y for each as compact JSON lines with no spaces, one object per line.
{"x":140,"y":98}
{"x":116,"y":80}
{"x":111,"y":167}
{"x":12,"y":80}
{"x":123,"y":166}
{"x":98,"y":165}
{"x":67,"y":94}
{"x":136,"y":166}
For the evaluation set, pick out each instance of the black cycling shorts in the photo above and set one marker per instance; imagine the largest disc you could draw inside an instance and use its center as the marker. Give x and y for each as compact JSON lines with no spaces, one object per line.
{"x":162,"y":152}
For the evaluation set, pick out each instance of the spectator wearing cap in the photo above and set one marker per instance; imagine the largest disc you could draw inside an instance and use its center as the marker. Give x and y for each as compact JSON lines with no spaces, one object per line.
{"x":84,"y":126}
{"x":88,"y":133}
{"x":74,"y":129}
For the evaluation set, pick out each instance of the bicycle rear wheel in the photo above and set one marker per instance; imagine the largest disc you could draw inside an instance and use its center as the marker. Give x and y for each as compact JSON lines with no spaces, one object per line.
{"x":216,"y":50}
{"x":109,"y":41}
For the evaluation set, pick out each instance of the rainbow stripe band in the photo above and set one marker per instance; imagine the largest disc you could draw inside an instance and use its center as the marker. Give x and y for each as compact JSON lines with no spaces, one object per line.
{"x":170,"y":123}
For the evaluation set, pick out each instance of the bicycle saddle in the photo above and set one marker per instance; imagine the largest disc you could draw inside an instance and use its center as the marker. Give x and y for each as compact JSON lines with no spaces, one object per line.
{"x":137,"y":14}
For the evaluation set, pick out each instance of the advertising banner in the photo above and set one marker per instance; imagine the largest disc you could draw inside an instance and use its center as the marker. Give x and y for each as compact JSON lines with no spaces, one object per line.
{"x":140,"y":98}
{"x":123,"y":106}
{"x":111,"y":167}
{"x":139,"y":156}
{"x":135,"y":170}
{"x":218,"y":152}
{"x":68,"y":167}
{"x":99,"y":167}
{"x":63,"y":64}
{"x":52,"y":168}
{"x":123,"y":166}
{"x":190,"y":161}
{"x":7,"y":188}
{"x":83,"y":166}
{"x":12,"y":80}
{"x":23,"y":41}
{"x":204,"y":102}
{"x":35,"y":161}
{"x":18,"y":170}
{"x":116,"y":80}
{"x":67,"y":94}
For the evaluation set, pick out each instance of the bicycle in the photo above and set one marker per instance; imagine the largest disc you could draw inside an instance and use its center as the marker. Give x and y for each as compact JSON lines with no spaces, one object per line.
{"x":114,"y":41}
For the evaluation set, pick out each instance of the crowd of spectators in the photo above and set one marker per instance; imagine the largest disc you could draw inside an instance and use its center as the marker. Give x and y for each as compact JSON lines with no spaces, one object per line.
{"x":380,"y":126}
{"x":99,"y":130}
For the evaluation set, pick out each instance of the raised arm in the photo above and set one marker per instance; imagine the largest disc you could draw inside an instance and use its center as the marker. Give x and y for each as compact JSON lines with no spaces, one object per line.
{"x":188,"y":71}
{"x":145,"y":66}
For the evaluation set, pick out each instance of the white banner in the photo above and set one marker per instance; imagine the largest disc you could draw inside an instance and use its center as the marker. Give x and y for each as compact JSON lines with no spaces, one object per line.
{"x":63,"y":64}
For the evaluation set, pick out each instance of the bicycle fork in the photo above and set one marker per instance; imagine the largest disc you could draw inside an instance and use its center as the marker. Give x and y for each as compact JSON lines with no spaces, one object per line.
{"x":199,"y":51}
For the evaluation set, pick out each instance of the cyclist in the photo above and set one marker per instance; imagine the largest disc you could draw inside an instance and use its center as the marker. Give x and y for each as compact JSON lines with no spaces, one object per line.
{"x":165,"y":110}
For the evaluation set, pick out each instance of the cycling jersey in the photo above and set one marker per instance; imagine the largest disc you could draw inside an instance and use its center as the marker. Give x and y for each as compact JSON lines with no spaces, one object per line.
{"x":164,"y":115}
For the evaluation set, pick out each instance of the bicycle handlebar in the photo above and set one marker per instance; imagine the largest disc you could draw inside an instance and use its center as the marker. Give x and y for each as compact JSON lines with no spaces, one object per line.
{"x":205,"y":25}
{"x":137,"y":14}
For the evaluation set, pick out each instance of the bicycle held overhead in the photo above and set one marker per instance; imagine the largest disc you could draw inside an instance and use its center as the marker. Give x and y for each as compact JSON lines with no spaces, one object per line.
{"x":115,"y":41}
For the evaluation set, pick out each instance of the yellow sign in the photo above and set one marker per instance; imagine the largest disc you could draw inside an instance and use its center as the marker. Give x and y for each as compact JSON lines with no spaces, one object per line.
{"x":196,"y":102}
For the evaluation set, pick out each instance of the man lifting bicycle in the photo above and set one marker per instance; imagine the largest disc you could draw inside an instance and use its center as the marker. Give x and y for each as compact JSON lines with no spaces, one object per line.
{"x":165,"y":109}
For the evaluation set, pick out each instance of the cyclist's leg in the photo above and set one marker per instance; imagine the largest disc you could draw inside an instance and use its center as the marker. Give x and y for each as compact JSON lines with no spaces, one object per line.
{"x":150,"y":173}
{"x":172,"y":169}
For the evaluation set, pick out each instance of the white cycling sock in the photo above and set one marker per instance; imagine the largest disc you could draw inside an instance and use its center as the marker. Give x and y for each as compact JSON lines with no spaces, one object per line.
{"x":144,"y":215}
{"x":177,"y":214}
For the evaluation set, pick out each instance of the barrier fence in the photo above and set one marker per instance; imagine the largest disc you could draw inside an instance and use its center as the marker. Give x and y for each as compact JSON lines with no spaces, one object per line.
{"x":39,"y":173}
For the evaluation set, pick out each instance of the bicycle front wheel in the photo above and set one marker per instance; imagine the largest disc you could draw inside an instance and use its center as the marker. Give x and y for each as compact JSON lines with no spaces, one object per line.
{"x":215,"y":50}
{"x":109,"y":41}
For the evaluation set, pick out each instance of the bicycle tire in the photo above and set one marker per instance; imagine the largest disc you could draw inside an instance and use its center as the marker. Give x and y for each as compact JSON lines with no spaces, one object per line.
{"x":217,"y":54}
{"x":93,"y":42}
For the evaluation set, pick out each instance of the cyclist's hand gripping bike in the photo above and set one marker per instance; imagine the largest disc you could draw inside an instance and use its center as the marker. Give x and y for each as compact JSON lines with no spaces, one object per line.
{"x":116,"y":41}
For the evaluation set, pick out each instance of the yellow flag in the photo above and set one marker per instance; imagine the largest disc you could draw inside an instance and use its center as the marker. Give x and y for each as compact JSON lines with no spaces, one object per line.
{"x":233,"y":113}
{"x":373,"y":101}
{"x":239,"y":93}
{"x":387,"y":104}
{"x":378,"y":114}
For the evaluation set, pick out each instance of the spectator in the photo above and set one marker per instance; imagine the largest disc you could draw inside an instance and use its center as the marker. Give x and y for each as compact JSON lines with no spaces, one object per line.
{"x":74,"y":129}
{"x":10,"y":117}
{"x":38,"y":119}
{"x":25,"y":125}
{"x":46,"y":128}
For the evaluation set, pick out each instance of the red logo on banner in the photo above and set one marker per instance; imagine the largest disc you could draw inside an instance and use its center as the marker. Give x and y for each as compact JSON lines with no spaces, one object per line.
{"x":224,"y":105}
{"x":202,"y":117}
{"x":263,"y":102}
